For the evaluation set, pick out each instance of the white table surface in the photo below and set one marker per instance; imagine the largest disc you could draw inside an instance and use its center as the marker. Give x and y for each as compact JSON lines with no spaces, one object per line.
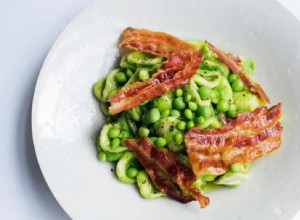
{"x":27,"y":31}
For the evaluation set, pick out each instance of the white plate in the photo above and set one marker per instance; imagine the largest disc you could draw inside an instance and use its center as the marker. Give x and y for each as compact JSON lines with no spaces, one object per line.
{"x":66,"y":118}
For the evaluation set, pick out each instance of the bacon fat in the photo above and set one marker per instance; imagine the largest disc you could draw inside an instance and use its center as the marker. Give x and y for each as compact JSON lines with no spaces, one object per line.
{"x":165,"y":169}
{"x":247,"y":138}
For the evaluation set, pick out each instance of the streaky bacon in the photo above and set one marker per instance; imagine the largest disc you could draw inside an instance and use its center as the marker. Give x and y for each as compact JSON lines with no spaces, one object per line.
{"x":173,"y":74}
{"x":247,"y":138}
{"x":165,"y":169}
{"x":234,"y":63}
{"x":157,"y":43}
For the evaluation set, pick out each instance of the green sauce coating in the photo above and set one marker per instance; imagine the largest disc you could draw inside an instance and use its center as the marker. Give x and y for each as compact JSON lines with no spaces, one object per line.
{"x":246,"y":101}
{"x":111,"y":85}
{"x":104,"y":142}
{"x":98,"y":89}
{"x":146,"y":187}
{"x":122,"y":167}
{"x":141,"y":58}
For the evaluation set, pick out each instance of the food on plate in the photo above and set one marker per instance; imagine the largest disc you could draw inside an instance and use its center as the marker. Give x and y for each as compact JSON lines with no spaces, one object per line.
{"x":247,"y":138}
{"x":183,"y":117}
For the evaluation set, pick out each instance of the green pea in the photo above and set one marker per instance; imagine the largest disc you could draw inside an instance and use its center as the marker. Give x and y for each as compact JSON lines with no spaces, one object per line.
{"x":178,"y":92}
{"x":175,"y":113}
{"x":237,"y":85}
{"x":178,"y":138}
{"x":190,"y":124}
{"x":165,"y":113}
{"x":204,"y":92}
{"x":121,"y":78}
{"x":232,"y":77}
{"x":153,"y":139}
{"x":153,"y":115}
{"x":187,"y":98}
{"x":235,"y":167}
{"x":144,"y":75}
{"x":188,"y":114}
{"x":143,"y":131}
{"x":200,"y":120}
{"x":132,"y":172}
{"x":181,"y":125}
{"x":231,"y":110}
{"x":179,"y":104}
{"x":102,"y":156}
{"x":125,"y":135}
{"x":193,"y":106}
{"x":161,"y":142}
{"x":222,"y":106}
{"x":204,"y":111}
{"x":113,"y":156}
{"x":115,"y":143}
{"x":129,"y":73}
{"x":113,"y":133}
{"x":163,"y":102}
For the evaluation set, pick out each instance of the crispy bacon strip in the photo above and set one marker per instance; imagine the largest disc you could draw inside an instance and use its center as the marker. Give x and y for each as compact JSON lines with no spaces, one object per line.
{"x":234,"y":64}
{"x":173,"y":74}
{"x":247,"y":138}
{"x":157,"y":43}
{"x":165,"y":168}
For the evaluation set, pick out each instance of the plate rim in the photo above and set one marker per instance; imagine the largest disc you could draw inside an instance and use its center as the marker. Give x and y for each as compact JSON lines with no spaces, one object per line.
{"x":36,"y":92}
{"x":43,"y":71}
